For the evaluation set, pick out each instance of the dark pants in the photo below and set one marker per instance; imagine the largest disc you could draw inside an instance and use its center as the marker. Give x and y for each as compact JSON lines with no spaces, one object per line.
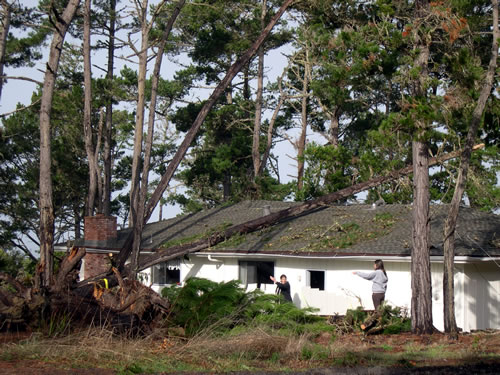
{"x":378,"y":298}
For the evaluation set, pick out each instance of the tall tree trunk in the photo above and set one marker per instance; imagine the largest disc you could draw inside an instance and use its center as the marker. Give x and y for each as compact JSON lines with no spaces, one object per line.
{"x":270,"y":129}
{"x":333,"y":116}
{"x":78,"y":221}
{"x":139,"y":113}
{"x":143,"y":191}
{"x":190,"y":135}
{"x":87,"y":112}
{"x":333,"y":132}
{"x":107,"y":160}
{"x":4,"y":31}
{"x":450,"y":325}
{"x":301,"y":144}
{"x":97,"y":152}
{"x":421,"y":286}
{"x":258,"y":101}
{"x":46,"y":206}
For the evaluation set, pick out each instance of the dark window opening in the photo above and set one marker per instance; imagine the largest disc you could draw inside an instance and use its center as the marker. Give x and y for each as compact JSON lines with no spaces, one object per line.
{"x":316,"y":279}
{"x":165,"y":275}
{"x":255,"y":272}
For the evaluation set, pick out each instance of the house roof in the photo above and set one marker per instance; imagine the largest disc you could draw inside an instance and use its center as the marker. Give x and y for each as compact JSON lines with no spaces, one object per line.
{"x":329,"y":231}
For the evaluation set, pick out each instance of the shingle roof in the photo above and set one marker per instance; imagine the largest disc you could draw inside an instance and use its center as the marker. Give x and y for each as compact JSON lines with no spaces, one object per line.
{"x":331,"y":230}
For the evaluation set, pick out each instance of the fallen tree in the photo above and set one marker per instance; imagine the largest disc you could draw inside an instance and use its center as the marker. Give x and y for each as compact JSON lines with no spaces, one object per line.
{"x":268,"y":220}
{"x":127,"y":305}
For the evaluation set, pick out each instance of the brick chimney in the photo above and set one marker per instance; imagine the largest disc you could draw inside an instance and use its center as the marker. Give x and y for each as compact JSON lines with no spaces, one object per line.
{"x":98,"y":230}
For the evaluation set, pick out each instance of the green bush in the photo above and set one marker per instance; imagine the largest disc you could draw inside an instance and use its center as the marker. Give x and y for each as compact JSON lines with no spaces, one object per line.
{"x":395,"y":319}
{"x":355,"y":317}
{"x":225,"y":306}
{"x":201,"y":303}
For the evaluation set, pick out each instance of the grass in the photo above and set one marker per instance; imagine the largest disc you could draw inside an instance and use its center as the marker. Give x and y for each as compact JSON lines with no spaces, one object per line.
{"x":217,"y":327}
{"x":254,"y":349}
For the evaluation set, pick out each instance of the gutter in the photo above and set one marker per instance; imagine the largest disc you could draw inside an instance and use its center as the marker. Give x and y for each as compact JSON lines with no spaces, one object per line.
{"x":364,"y":257}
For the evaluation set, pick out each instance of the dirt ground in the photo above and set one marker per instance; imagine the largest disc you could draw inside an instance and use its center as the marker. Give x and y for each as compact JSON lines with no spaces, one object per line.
{"x":480,"y":343}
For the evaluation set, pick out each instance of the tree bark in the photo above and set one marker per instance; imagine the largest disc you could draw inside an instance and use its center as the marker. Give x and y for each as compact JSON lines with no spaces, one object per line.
{"x":87,"y":112}
{"x":143,"y":191}
{"x":270,"y":129}
{"x":4,"y":31}
{"x":107,"y":160}
{"x":67,"y":265}
{"x":450,"y":325}
{"x":301,"y":144}
{"x":139,"y":113}
{"x":46,"y":206}
{"x":97,"y":152}
{"x":258,"y":101}
{"x":421,"y":286}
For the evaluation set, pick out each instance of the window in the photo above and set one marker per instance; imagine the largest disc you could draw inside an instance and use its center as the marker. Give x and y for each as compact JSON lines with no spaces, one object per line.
{"x":167,"y":273}
{"x":316,"y":279}
{"x":255,"y":272}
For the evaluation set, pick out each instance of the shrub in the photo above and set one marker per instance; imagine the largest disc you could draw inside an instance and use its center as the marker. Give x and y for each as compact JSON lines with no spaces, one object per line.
{"x":202,"y":304}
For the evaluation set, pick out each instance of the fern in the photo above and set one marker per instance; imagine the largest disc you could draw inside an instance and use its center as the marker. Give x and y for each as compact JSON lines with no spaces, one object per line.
{"x":202,"y":304}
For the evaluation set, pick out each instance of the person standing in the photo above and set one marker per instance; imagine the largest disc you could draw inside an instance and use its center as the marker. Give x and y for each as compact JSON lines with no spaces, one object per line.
{"x":282,"y":287}
{"x":379,"y":279}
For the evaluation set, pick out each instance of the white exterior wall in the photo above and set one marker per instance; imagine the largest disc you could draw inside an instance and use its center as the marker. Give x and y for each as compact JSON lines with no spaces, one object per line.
{"x":482,"y":296}
{"x":477,"y":286}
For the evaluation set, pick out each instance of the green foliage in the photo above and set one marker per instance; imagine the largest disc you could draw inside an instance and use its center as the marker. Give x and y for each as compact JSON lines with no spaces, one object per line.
{"x":328,"y":170}
{"x":355,"y":317}
{"x":28,"y":32}
{"x":315,"y":352}
{"x":11,"y":262}
{"x":203,"y":304}
{"x":393,"y":319}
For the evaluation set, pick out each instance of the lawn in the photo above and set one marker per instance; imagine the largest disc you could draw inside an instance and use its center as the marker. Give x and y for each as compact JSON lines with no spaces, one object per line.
{"x":97,"y":351}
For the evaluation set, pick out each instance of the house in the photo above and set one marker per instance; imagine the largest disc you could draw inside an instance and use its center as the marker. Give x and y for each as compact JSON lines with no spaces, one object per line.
{"x":318,"y":252}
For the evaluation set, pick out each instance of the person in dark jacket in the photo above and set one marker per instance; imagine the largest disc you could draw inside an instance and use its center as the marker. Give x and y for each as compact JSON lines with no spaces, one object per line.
{"x":282,"y":287}
{"x":379,"y":279}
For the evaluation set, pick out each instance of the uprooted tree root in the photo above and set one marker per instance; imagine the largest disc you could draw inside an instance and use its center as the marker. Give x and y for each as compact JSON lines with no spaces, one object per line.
{"x":131,"y":308}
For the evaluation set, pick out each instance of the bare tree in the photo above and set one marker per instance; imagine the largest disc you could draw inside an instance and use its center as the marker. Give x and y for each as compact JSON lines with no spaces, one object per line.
{"x":270,"y":129}
{"x":87,"y":113}
{"x":450,"y":325}
{"x":300,"y":85}
{"x":142,"y":54}
{"x":105,"y":200}
{"x":301,"y":143}
{"x":258,"y":101}
{"x":61,"y":23}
